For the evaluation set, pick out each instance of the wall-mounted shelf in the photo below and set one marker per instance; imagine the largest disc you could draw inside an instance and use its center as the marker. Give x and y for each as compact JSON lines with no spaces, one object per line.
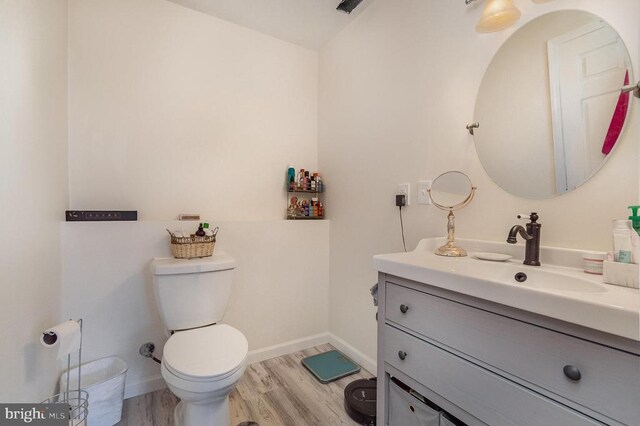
{"x":305,"y":208}
{"x":310,"y":191}
{"x":304,"y":218}
{"x":304,"y":199}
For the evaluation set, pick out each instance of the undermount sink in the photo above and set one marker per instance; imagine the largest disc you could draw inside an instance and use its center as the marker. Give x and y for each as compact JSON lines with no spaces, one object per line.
{"x":558,"y":288}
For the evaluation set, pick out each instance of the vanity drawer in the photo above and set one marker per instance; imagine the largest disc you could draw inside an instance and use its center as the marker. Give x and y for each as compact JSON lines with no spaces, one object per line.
{"x":609,"y":380}
{"x":487,"y":396}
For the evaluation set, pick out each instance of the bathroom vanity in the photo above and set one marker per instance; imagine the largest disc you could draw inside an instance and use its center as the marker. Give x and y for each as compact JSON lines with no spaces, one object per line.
{"x":560,"y":348}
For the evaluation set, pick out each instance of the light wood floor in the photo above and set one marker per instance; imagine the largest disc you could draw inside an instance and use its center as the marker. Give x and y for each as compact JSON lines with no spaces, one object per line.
{"x":278,"y":391}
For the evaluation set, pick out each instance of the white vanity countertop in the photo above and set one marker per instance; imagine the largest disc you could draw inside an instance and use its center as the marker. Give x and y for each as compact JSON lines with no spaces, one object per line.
{"x":557,"y":289}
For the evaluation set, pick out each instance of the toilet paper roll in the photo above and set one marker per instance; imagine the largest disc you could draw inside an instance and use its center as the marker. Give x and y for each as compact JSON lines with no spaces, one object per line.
{"x":66,"y":336}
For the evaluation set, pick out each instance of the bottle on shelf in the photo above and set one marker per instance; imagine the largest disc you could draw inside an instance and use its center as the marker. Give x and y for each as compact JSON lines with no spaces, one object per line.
{"x":291,"y":177}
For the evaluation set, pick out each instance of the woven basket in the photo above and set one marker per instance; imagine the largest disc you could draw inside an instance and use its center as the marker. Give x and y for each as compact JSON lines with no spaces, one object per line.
{"x":190,"y":247}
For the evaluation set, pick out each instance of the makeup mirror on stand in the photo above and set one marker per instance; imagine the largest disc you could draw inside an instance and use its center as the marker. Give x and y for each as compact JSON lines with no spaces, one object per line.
{"x":451,"y":191}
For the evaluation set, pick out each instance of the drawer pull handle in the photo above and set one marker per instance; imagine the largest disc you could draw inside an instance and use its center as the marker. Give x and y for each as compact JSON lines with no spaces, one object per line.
{"x":572,"y":372}
{"x":404,"y":309}
{"x":402,"y":355}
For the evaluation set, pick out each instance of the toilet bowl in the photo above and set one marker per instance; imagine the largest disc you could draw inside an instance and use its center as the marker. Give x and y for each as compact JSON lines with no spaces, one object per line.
{"x":202,"y":366}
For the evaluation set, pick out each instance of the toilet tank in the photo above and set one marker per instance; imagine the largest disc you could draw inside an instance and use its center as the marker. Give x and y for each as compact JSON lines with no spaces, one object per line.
{"x":192,"y":292}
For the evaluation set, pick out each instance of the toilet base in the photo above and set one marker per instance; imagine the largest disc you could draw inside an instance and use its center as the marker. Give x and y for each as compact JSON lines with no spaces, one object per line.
{"x":215,"y":413}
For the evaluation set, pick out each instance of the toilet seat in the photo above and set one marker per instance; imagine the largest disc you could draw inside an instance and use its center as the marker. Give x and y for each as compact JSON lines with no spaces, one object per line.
{"x":207,"y":354}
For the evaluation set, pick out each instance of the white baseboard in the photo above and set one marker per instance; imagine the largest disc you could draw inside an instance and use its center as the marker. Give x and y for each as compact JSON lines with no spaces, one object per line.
{"x":146,"y":385}
{"x":156,"y":382}
{"x":285,"y":348}
{"x":364,"y":361}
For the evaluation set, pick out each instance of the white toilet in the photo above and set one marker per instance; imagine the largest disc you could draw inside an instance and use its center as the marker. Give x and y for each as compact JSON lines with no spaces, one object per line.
{"x":203,"y":360}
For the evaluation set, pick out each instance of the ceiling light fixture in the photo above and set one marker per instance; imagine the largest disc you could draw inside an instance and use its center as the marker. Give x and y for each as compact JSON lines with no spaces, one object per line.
{"x":497,"y":15}
{"x":348,"y":5}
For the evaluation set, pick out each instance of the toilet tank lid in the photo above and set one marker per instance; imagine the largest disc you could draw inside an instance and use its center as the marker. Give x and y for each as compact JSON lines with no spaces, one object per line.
{"x":220,"y":261}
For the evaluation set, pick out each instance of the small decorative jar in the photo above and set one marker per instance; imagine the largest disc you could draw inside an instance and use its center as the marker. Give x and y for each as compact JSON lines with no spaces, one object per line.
{"x":593,"y":261}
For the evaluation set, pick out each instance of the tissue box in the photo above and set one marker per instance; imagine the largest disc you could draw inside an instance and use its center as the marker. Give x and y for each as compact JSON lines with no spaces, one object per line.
{"x":622,"y":274}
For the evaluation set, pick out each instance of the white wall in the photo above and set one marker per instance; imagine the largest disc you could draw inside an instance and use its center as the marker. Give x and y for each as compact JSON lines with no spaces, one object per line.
{"x":33,"y":190}
{"x":173,"y":111}
{"x":397,"y":88}
{"x":280,"y":291}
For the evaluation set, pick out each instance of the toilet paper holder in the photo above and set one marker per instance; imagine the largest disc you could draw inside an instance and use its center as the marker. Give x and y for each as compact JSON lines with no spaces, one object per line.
{"x":77,"y":399}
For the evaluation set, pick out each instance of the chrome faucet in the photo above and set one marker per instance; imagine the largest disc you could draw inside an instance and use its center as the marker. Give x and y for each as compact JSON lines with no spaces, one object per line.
{"x":531,"y":236}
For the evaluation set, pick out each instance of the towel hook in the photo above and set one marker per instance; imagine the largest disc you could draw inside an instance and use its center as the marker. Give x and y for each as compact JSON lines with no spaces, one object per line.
{"x":472,"y":126}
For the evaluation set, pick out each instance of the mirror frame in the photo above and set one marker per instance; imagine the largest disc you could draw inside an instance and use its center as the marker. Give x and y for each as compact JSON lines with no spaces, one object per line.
{"x":464,"y":202}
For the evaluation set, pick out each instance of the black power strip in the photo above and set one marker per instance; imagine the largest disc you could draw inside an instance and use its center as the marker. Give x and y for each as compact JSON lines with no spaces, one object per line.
{"x":101,"y":215}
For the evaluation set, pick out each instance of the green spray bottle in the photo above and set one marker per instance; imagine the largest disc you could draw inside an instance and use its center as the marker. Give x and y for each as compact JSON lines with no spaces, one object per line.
{"x":634,"y":218}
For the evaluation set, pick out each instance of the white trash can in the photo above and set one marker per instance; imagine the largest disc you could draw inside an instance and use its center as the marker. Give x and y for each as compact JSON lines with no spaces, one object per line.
{"x":103,"y":379}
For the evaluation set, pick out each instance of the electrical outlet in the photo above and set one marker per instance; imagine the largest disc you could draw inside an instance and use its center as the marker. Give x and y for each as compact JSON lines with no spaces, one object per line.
{"x":423,"y":192}
{"x":404,"y":189}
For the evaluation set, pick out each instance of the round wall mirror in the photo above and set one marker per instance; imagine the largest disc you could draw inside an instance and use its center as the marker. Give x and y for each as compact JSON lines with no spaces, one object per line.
{"x":451,"y":191}
{"x":550,"y":106}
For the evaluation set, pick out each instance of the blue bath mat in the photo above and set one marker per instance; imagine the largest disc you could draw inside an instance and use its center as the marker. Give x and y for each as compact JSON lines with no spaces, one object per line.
{"x":330,"y":366}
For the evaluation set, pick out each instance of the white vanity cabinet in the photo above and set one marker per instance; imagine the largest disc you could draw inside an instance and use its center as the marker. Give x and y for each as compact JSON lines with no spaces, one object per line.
{"x":488,"y":363}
